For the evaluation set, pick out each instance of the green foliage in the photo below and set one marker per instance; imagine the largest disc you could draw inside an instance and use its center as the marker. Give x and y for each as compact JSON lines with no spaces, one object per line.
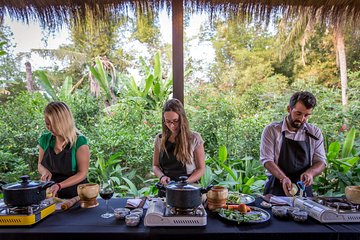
{"x":240,"y":175}
{"x":103,"y":78}
{"x":154,"y":88}
{"x":342,"y":169}
{"x":21,"y":122}
{"x":47,"y":86}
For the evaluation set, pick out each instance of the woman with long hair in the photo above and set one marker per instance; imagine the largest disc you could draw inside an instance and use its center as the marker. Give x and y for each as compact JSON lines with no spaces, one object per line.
{"x":64,"y":154}
{"x":178,"y":151}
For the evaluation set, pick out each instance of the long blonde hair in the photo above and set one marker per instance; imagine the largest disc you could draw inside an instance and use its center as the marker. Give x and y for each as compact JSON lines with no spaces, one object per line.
{"x":182,"y":150}
{"x":62,"y":121}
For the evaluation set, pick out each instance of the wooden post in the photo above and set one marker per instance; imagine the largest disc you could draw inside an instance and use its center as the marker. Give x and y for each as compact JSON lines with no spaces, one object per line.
{"x":178,"y":49}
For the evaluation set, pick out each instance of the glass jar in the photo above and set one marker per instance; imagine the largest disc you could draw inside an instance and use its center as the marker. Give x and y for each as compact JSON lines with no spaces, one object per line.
{"x":132,"y":219}
{"x":120,"y":213}
{"x":279,"y":211}
{"x":300,"y":216}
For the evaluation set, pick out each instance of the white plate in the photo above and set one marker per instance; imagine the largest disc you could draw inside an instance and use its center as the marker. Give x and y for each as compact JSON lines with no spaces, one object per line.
{"x":239,"y":198}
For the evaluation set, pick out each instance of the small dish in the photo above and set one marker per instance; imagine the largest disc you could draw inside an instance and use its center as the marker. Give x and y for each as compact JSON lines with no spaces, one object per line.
{"x":121,"y":213}
{"x":138,"y":211}
{"x":279,"y":211}
{"x":290,"y":211}
{"x":300,"y":216}
{"x":132,"y":219}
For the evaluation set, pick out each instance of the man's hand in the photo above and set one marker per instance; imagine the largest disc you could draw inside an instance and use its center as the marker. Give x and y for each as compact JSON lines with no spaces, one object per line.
{"x":307,"y":178}
{"x":286,"y":184}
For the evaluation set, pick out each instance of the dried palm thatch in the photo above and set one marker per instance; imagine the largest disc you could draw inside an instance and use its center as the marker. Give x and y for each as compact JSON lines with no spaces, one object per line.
{"x":55,"y":13}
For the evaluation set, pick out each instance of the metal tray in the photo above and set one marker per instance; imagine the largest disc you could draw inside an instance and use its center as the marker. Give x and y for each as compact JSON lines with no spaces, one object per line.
{"x":242,"y":198}
{"x":243,"y":218}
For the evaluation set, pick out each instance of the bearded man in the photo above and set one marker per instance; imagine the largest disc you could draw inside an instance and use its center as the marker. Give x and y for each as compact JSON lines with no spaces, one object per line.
{"x":293,"y":150}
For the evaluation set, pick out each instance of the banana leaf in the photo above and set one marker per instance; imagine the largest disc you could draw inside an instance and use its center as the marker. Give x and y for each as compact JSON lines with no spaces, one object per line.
{"x":348,"y":143}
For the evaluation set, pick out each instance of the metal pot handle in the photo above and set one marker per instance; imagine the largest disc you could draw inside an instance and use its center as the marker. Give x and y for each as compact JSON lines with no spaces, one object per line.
{"x":205,"y":190}
{"x":46,"y":185}
{"x":160,"y":186}
{"x":1,"y":184}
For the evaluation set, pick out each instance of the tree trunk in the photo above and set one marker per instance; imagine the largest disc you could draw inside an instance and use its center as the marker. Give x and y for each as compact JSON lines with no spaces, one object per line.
{"x":94,"y":86}
{"x":29,"y":79}
{"x":340,"y":46}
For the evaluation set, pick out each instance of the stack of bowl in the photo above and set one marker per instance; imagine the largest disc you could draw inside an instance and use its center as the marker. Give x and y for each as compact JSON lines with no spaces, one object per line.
{"x":352,"y":194}
{"x":216,"y":197}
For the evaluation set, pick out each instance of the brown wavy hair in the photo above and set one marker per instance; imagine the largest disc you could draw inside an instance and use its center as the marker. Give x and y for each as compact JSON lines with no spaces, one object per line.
{"x":182,"y":140}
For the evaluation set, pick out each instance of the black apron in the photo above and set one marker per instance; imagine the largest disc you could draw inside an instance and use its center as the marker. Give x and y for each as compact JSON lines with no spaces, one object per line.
{"x":170,"y":166}
{"x":294,"y":159}
{"x":60,"y":166}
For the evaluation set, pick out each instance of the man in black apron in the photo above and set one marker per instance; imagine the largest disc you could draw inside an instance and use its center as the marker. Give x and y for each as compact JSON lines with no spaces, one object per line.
{"x":296,"y":161}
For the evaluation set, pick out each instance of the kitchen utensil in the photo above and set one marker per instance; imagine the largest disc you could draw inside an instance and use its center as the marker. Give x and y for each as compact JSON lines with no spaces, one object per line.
{"x":216,"y":197}
{"x":352,"y":194}
{"x":182,"y":194}
{"x":88,"y":193}
{"x":25,"y":192}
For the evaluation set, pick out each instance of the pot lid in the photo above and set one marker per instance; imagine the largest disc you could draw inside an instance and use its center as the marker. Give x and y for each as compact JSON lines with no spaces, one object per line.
{"x":182,"y":185}
{"x":25,"y":183}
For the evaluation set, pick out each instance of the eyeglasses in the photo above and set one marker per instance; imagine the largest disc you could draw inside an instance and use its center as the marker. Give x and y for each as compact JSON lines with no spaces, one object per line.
{"x":174,"y":122}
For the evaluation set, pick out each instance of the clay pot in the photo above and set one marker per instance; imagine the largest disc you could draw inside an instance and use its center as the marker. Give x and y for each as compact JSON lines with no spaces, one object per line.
{"x":216,"y":197}
{"x":352,"y":194}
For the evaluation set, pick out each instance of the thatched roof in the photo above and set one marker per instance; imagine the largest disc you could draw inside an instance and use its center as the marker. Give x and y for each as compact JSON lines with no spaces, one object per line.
{"x":54,"y":13}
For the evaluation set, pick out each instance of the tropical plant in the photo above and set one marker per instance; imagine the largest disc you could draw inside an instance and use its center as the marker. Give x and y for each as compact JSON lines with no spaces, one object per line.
{"x":154,"y":88}
{"x":239,"y":175}
{"x":342,"y":169}
{"x":110,"y":168}
{"x":52,"y":93}
{"x":105,"y":74}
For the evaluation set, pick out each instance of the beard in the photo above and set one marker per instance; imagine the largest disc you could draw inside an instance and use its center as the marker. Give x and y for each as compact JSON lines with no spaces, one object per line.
{"x":294,"y":123}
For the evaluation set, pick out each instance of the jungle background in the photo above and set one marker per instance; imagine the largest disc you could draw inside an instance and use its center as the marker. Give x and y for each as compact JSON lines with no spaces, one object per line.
{"x":247,"y":85}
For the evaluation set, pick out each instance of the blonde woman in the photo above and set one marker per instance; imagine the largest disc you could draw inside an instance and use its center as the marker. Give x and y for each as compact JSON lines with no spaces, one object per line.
{"x":178,"y":151}
{"x":64,"y":154}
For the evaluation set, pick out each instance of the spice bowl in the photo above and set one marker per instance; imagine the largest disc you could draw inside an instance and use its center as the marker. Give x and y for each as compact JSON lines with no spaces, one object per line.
{"x":290,"y":211}
{"x":300,"y":216}
{"x":121,"y":213}
{"x":279,"y":211}
{"x":132,"y":219}
{"x":138,"y":211}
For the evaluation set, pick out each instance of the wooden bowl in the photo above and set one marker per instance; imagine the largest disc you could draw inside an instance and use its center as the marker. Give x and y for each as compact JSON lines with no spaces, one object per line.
{"x":352,"y":194}
{"x":88,"y":191}
{"x":216,"y":197}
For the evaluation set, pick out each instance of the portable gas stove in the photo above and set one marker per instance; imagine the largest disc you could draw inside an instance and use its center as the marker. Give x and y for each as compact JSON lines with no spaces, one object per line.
{"x":160,"y":214}
{"x":25,"y":216}
{"x":329,"y":209}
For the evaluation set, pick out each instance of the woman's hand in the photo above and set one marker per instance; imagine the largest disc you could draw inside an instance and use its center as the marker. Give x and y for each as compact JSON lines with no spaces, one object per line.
{"x":54,"y":189}
{"x":45,"y":173}
{"x":164,"y":180}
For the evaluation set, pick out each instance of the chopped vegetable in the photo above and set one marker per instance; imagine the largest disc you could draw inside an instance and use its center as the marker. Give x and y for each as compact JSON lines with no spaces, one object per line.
{"x":236,"y":215}
{"x":242,"y":208}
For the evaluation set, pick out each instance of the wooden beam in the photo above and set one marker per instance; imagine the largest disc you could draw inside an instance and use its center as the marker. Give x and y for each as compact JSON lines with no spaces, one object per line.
{"x":178,"y":49}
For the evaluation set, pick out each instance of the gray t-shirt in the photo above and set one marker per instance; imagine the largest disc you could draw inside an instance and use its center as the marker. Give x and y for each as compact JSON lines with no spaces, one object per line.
{"x":271,"y":140}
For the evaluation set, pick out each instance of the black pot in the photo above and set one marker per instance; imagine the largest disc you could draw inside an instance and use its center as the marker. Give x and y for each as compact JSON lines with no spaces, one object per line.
{"x":183,"y":195}
{"x":25,"y":192}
